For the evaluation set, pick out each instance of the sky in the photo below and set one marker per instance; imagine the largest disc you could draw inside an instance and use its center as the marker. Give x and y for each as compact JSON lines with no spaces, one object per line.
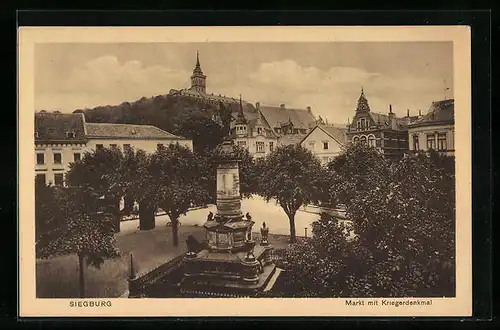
{"x":326,"y":76}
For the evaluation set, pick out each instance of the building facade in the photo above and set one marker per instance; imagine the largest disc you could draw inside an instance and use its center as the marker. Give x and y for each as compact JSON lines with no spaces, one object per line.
{"x":249,"y":131}
{"x":435,"y":130}
{"x":387,"y":133}
{"x":123,"y":136}
{"x":325,"y":142}
{"x":61,"y":139}
{"x":258,"y":128}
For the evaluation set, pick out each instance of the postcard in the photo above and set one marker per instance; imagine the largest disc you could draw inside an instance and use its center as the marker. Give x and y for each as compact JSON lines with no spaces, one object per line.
{"x":245,"y":171}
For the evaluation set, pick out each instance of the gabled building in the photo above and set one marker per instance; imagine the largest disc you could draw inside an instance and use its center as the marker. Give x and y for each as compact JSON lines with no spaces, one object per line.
{"x":61,"y":139}
{"x":386,"y":132}
{"x":285,"y":121}
{"x":124,"y":136}
{"x":250,"y":130}
{"x":325,"y":142}
{"x":435,"y":130}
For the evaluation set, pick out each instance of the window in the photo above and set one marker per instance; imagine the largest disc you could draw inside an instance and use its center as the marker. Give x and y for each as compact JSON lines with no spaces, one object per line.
{"x":278,"y":130}
{"x":371,"y":141}
{"x":415,"y":143}
{"x":295,"y":130}
{"x":160,"y":146}
{"x":359,"y":124}
{"x":126,"y":147}
{"x":70,"y":135}
{"x":363,"y":123}
{"x":40,"y":159}
{"x":260,"y":146}
{"x":442,"y":141}
{"x":363,"y":140}
{"x":312,"y":144}
{"x":113,"y":145}
{"x":259,"y":130}
{"x":355,"y":139}
{"x":40,"y":178}
{"x":242,"y":143}
{"x":36,"y":134}
{"x":303,"y":130}
{"x":99,"y":146}
{"x":431,"y":141}
{"x":58,"y":179}
{"x":57,"y":158}
{"x":77,"y":156}
{"x":325,"y":145}
{"x":271,"y":146}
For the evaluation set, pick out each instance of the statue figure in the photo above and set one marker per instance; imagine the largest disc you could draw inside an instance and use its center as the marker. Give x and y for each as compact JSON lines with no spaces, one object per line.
{"x":248,"y":216}
{"x":264,"y":233}
{"x":225,"y":116}
{"x":210,"y":216}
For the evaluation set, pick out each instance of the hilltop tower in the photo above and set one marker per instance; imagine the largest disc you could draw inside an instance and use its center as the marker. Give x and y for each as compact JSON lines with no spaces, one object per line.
{"x":198,"y":79}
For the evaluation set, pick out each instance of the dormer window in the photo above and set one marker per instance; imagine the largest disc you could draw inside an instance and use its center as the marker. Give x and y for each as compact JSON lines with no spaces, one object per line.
{"x":36,"y":134}
{"x":133,"y":132}
{"x":259,"y":130}
{"x":363,"y":123}
{"x":70,"y":135}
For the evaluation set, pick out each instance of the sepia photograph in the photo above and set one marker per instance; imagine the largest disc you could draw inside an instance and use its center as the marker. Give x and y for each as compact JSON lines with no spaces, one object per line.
{"x":318,"y":169}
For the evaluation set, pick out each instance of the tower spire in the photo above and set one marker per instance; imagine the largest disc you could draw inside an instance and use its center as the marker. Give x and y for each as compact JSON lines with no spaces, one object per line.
{"x":198,"y":79}
{"x":362,"y":103}
{"x":241,"y":120}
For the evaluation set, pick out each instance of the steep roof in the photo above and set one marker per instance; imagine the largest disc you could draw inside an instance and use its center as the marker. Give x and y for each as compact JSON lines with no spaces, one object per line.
{"x":276,"y":116}
{"x":288,"y":139}
{"x":56,"y":126}
{"x":338,"y":134}
{"x":128,"y":131}
{"x":439,"y":112}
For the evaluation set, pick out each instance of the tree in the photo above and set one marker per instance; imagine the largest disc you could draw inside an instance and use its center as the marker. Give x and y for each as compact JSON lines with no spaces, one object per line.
{"x":140,"y":184}
{"x":178,"y":185}
{"x":398,"y":224}
{"x":199,"y":126}
{"x":316,"y":266}
{"x":291,"y":175}
{"x":395,"y":252}
{"x":100,"y":171}
{"x":74,"y":227}
{"x":355,"y":171}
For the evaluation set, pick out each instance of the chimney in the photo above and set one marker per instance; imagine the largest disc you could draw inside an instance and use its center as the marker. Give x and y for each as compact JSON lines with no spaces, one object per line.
{"x":419,"y":113}
{"x":390,"y":108}
{"x":282,"y":106}
{"x":309,"y":109}
{"x":407,"y":112}
{"x":257,"y":105}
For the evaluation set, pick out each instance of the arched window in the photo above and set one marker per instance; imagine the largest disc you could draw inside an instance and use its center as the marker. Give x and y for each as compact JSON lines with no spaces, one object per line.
{"x":371,"y":140}
{"x":363,"y":140}
{"x":355,"y":139}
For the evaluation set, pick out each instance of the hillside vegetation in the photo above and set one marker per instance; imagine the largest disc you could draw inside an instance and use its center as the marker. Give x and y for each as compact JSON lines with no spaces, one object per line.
{"x":179,"y":115}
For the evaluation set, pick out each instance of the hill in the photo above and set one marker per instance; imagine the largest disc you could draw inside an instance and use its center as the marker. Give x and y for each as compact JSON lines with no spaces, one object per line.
{"x":179,"y":115}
